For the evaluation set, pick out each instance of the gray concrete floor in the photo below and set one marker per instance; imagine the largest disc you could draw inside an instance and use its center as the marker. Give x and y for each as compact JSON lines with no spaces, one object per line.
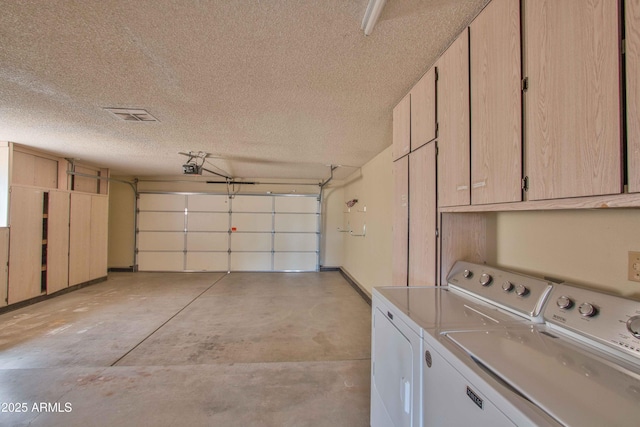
{"x":192,"y":349}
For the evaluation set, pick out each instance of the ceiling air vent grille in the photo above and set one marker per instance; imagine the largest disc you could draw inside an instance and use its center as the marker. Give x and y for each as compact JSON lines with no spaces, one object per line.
{"x":132,"y":115}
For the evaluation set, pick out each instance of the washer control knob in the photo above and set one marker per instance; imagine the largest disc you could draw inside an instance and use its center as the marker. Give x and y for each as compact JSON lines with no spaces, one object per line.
{"x":633,"y":325}
{"x":564,"y":302}
{"x":485,"y":279}
{"x":467,"y":274}
{"x":521,"y":290}
{"x":587,"y":310}
{"x":507,"y":286}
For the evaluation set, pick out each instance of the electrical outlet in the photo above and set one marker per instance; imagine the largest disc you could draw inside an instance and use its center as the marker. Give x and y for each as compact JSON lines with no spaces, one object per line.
{"x":634,"y":266}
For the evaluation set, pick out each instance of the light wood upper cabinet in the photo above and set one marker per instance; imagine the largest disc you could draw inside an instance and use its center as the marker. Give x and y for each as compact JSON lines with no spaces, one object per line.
{"x":453,"y":124}
{"x":423,"y":110}
{"x":496,"y":104}
{"x":572,"y":104}
{"x":31,"y":169}
{"x":632,"y":54}
{"x":400,"y":230}
{"x":402,"y":128}
{"x":422,"y":216}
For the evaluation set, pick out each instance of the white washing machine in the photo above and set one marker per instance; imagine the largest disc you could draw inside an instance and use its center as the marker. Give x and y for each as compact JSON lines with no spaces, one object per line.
{"x":581,"y":368}
{"x":403,"y":316}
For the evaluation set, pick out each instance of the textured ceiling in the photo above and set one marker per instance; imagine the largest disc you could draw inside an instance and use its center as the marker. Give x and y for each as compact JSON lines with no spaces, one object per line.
{"x":277,"y":88}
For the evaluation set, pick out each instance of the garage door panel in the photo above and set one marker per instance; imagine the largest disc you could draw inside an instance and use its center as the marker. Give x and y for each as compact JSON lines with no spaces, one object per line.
{"x":295,"y":242}
{"x":207,"y":241}
{"x":250,"y":242}
{"x":166,"y":241}
{"x":251,"y":222}
{"x":216,"y":233}
{"x":296,"y":222}
{"x":161,"y":221}
{"x":205,"y":221}
{"x":208,"y":202}
{"x":296,"y":204}
{"x":250,"y":261}
{"x":294,"y":261}
{"x":207,"y":261}
{"x":160,"y":261}
{"x":252,"y":204}
{"x":162,"y":202}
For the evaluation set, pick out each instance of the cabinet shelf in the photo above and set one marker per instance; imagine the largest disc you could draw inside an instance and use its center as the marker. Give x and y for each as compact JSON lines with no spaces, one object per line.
{"x":592,"y":202}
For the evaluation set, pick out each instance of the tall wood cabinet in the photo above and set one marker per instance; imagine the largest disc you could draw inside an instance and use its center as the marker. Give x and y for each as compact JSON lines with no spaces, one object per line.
{"x":632,"y":59}
{"x":98,"y":236}
{"x":402,"y":128}
{"x":496,"y":104}
{"x":38,"y":242}
{"x":422,"y":216}
{"x":47,"y":222}
{"x":57,"y":241}
{"x":25,"y":243}
{"x":88,"y":239}
{"x":400,"y":212}
{"x":4,"y":261}
{"x":423,"y":110}
{"x":453,"y":124}
{"x":530,"y":94}
{"x":572,"y":103}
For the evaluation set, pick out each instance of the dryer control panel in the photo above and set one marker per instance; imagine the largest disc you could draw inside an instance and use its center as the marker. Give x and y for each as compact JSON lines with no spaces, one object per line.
{"x":605,"y":318}
{"x":515,"y":292}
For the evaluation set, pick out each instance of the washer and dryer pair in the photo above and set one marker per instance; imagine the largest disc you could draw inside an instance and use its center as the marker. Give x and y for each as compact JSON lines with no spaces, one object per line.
{"x":486,"y":351}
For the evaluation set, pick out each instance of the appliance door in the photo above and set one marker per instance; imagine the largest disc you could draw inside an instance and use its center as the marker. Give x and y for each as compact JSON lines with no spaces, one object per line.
{"x":572,"y":382}
{"x":391,"y":374}
{"x":450,"y":399}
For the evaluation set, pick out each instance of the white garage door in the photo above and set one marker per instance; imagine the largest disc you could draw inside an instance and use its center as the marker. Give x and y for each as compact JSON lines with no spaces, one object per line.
{"x":212,"y":232}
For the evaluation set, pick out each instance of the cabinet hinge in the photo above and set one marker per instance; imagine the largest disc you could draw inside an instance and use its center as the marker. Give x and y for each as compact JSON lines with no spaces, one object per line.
{"x":525,"y":84}
{"x":437,"y":128}
{"x":436,"y":71}
{"x":525,"y":183}
{"x":437,"y":150}
{"x":437,"y":233}
{"x":623,"y":46}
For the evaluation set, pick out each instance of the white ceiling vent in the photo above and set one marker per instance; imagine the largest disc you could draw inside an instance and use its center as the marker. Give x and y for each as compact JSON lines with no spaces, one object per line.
{"x":132,"y":115}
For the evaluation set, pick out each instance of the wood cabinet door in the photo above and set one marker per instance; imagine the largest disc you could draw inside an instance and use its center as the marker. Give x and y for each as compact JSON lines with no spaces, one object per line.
{"x":453,"y":124}
{"x":400,"y":221}
{"x":422,"y":216}
{"x":496,"y":104}
{"x":402,"y":128}
{"x":98,"y":236}
{"x":632,"y":54}
{"x":25,"y":244}
{"x":80,"y":239}
{"x":572,"y":103}
{"x":423,"y":110}
{"x":58,"y":242}
{"x":4,"y":262}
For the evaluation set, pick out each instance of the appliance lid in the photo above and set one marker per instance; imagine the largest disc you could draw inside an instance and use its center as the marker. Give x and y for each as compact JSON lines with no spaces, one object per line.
{"x":436,"y":308}
{"x":566,"y":379}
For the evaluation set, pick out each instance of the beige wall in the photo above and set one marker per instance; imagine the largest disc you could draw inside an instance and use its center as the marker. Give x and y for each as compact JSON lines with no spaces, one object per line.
{"x":588,"y":247}
{"x":121,"y":225}
{"x":331,"y":240}
{"x":368,"y":259}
